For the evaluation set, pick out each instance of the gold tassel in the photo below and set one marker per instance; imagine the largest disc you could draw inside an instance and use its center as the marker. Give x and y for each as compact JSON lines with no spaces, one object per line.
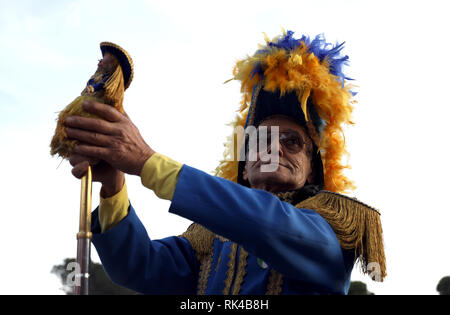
{"x":115,"y":89}
{"x":357,"y":226}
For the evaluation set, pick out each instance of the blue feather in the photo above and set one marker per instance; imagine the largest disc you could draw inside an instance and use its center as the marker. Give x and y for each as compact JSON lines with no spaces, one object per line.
{"x":318,"y":46}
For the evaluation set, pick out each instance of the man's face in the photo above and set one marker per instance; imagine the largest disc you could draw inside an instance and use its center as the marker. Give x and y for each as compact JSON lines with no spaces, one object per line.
{"x":107,"y":63}
{"x":294,"y":159}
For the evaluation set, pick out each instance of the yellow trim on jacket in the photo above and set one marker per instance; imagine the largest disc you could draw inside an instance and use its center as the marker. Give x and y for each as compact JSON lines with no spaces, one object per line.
{"x":159,"y":173}
{"x":113,"y":209}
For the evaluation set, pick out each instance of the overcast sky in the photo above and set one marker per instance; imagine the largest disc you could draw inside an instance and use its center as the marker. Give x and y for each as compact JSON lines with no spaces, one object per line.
{"x":183,"y":52}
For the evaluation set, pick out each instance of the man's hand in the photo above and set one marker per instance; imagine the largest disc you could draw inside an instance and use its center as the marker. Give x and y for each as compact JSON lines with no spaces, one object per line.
{"x":113,"y":139}
{"x":112,"y":180}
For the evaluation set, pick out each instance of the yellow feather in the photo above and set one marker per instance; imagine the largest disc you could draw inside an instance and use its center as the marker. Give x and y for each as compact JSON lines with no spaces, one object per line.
{"x":304,"y":101}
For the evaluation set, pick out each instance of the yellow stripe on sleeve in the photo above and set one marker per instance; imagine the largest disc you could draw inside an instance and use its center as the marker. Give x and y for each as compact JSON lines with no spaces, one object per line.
{"x":160,"y":174}
{"x":113,"y":209}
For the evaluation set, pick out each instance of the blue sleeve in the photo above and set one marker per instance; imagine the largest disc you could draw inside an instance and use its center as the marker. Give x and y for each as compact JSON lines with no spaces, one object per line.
{"x":132,"y":260}
{"x":298,"y":243}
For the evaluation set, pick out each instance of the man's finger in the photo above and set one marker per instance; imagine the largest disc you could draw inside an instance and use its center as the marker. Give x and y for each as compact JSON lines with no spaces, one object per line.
{"x":77,"y":159}
{"x":80,"y":170}
{"x":91,"y":124}
{"x":90,"y":137}
{"x":102,"y":110}
{"x":92,"y":151}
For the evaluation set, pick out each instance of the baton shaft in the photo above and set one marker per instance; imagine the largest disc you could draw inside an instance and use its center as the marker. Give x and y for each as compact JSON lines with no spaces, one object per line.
{"x":83,"y":258}
{"x":84,"y":236}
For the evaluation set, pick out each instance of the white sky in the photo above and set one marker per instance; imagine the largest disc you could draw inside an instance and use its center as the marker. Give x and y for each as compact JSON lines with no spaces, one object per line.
{"x":183,"y":51}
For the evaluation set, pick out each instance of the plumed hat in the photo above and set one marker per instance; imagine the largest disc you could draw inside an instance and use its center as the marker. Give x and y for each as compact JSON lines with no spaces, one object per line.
{"x":124,"y":59}
{"x":303,"y":79}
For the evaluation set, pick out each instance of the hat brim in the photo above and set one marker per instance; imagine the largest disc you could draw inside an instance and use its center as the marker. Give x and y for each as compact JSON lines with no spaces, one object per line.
{"x":270,"y":104}
{"x":124,"y":59}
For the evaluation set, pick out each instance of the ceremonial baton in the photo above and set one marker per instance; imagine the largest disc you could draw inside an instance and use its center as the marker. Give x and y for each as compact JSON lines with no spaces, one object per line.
{"x":84,"y":236}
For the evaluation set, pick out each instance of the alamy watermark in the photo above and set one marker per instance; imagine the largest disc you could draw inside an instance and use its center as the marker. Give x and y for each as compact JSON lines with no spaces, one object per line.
{"x":374,"y":271}
{"x":74,"y":277}
{"x":253,"y":142}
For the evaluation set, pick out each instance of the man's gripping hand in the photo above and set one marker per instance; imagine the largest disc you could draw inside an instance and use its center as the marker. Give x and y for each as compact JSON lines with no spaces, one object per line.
{"x":113,"y":139}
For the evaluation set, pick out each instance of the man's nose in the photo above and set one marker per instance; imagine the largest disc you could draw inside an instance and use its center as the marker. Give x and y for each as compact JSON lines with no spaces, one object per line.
{"x":275,"y":145}
{"x":272,"y":146}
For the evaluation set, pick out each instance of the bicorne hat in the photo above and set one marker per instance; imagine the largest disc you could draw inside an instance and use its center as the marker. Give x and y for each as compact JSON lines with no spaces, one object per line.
{"x":124,"y":59}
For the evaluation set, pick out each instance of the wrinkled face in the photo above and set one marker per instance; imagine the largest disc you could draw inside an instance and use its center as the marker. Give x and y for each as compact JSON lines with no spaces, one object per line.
{"x":293,"y":168}
{"x":107,"y":63}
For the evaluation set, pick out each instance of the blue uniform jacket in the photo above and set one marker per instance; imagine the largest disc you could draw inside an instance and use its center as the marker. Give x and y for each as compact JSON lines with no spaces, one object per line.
{"x":260,"y":245}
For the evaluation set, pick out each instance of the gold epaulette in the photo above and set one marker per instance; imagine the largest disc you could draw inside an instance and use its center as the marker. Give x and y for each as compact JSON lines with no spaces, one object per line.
{"x":357,"y":226}
{"x":201,"y":239}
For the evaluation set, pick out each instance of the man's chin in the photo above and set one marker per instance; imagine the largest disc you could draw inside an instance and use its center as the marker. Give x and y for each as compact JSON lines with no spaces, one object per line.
{"x":273,"y":168}
{"x":275,"y":177}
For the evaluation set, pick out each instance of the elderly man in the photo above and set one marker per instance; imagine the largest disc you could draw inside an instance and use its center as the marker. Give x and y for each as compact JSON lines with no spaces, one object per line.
{"x":263,"y":225}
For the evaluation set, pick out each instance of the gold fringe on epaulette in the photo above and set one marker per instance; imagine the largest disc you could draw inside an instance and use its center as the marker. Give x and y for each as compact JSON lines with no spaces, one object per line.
{"x":201,"y":240}
{"x":357,"y":226}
